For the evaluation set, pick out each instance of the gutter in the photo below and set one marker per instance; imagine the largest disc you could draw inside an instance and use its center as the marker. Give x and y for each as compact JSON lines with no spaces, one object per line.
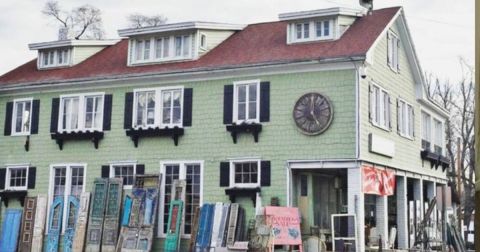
{"x":190,"y":72}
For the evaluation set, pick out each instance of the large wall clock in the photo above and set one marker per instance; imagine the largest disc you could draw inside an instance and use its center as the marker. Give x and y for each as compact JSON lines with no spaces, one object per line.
{"x":313,"y":113}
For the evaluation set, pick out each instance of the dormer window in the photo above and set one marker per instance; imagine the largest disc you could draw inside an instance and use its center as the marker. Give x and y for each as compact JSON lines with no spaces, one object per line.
{"x":163,"y":48}
{"x":55,"y":58}
{"x":311,"y":30}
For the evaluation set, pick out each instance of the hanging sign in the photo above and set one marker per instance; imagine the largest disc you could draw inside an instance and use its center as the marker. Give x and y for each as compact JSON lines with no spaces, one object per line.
{"x":378,"y":181}
{"x":285,"y":223}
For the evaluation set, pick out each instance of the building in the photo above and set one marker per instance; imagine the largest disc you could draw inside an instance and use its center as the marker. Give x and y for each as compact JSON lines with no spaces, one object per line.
{"x":325,"y":110}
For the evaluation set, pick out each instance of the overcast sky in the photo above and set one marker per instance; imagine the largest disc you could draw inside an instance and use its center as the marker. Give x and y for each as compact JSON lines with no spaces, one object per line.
{"x":442,"y":30}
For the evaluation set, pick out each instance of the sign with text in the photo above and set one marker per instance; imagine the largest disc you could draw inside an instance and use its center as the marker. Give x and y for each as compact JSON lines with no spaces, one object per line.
{"x":285,"y":223}
{"x":378,"y":181}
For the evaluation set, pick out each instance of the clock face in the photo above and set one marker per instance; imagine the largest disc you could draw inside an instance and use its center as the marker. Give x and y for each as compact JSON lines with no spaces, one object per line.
{"x":313,"y":113}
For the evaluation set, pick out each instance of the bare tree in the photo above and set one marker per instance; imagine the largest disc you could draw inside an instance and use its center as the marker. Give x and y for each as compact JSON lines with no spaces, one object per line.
{"x":83,"y":21}
{"x":137,"y":20}
{"x":459,"y":101}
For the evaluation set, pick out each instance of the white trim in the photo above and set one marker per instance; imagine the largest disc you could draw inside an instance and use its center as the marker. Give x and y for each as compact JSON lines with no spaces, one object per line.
{"x":179,"y":27}
{"x":182,"y":175}
{"x":68,"y":182}
{"x":158,"y":109}
{"x":378,"y":124}
{"x":132,"y":44}
{"x":8,"y":175}
{"x":406,"y":115}
{"x":321,"y":13}
{"x":72,"y":42}
{"x":81,"y":113}
{"x":394,"y":66}
{"x":14,"y":118}
{"x":55,"y":64}
{"x":235,"y":102}
{"x":111,"y":171}
{"x":205,"y":46}
{"x":312,"y":30}
{"x":232,"y":183}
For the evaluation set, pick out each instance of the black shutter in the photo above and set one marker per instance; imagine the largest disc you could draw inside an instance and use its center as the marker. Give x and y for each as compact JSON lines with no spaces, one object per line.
{"x":3,"y":173}
{"x":107,"y":112}
{"x":187,"y":106}
{"x":224,"y":174}
{"x":127,"y":119}
{"x":32,"y":177}
{"x":227,"y":104}
{"x":105,"y":171}
{"x":54,"y":116}
{"x":8,"y":119}
{"x":265,"y":101}
{"x":265,"y":173}
{"x":35,"y":116}
{"x":140,"y":170}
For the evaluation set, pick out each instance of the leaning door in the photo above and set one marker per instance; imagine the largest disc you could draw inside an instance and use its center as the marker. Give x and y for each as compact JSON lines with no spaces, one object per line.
{"x":72,"y":214}
{"x":54,"y":224}
{"x":11,"y":228}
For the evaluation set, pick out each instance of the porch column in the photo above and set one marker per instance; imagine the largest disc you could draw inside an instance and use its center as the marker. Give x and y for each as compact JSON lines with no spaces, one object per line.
{"x":382,"y":218}
{"x":431,"y":192}
{"x":356,"y":203}
{"x":418,"y":195}
{"x":402,"y":210}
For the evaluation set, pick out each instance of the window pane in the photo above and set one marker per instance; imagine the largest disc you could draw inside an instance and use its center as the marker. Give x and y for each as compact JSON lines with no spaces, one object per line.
{"x":166,"y":47}
{"x":242,"y":93}
{"x":51,"y":56}
{"x":139,"y":48}
{"x":26,"y":116}
{"x":151,"y":108}
{"x":326,"y":28}
{"x":178,"y":46}
{"x":19,"y":117}
{"x":89,"y":112}
{"x":167,"y":106}
{"x":158,"y":48}
{"x":186,"y":46}
{"x":125,"y":172}
{"x":306,"y":30}
{"x":176,"y":106}
{"x":192,"y":197}
{"x":318,"y":27}
{"x":298,"y":29}
{"x":98,"y":116}
{"x":60,"y":56}
{"x":45,"y":58}
{"x":146,"y":51}
{"x":172,"y":172}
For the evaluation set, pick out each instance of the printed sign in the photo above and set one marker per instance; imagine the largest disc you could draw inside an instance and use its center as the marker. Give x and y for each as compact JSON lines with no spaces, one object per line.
{"x":285,"y":223}
{"x":378,"y":181}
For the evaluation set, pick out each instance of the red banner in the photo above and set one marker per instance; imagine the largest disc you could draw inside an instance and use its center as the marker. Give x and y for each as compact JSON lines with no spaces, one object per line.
{"x":378,"y":181}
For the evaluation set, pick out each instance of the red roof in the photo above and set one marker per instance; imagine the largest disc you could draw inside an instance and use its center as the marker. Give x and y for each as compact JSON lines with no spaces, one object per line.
{"x":256,"y":44}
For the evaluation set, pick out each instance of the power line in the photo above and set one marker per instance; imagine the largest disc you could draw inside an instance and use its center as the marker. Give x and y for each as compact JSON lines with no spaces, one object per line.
{"x":441,"y":22}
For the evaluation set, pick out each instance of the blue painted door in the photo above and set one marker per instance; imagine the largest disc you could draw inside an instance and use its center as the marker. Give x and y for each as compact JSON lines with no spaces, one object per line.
{"x":11,"y":228}
{"x":127,"y":206}
{"x":54,"y":225}
{"x":73,"y":205}
{"x":205,"y":228}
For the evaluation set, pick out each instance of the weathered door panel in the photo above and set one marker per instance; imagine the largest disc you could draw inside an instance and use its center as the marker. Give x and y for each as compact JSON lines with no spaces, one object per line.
{"x":72,"y":215}
{"x":82,"y":220}
{"x":28,"y":220}
{"x":39,"y":225}
{"x":54,"y":225}
{"x":96,"y":217}
{"x":112,"y":214}
{"x":172,"y":240}
{"x":232,"y":224}
{"x":10,"y":230}
{"x":216,"y":225}
{"x":127,"y":207}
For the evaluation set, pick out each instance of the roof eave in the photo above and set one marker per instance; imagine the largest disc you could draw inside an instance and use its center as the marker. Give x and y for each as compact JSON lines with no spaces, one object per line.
{"x":178,"y":27}
{"x":71,"y":42}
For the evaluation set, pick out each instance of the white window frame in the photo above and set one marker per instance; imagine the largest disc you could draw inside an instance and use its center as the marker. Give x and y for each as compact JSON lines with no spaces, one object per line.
{"x":9,"y":174}
{"x":392,"y":51}
{"x":81,"y":112}
{"x":429,"y":128}
{"x":435,"y":140}
{"x":152,"y":53}
{"x":244,"y":185}
{"x":68,"y":184}
{"x":203,"y":45}
{"x":158,"y":107}
{"x":379,"y":119}
{"x":312,"y":26}
{"x":128,"y":163}
{"x":406,"y":119}
{"x":235,"y":102}
{"x":45,"y":54}
{"x":14,"y":117}
{"x":182,"y":176}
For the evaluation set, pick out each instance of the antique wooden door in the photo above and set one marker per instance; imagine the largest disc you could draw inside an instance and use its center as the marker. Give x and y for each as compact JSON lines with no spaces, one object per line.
{"x":127,"y":206}
{"x":172,"y":241}
{"x":72,"y":215}
{"x":54,"y":225}
{"x":10,"y":230}
{"x":223,"y":225}
{"x":112,"y":214}
{"x":39,"y":225}
{"x":216,"y":224}
{"x":81,"y":226}
{"x":28,"y":220}
{"x":232,"y":224}
{"x":95,"y":221}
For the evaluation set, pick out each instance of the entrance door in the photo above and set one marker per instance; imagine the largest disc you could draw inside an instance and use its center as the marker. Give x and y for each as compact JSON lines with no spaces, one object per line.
{"x":72,"y":214}
{"x":11,"y":227}
{"x":55,"y":224}
{"x":303,"y":202}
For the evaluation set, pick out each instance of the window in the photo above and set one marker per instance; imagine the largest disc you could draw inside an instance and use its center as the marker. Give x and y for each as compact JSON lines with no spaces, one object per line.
{"x":54,"y":58}
{"x":125,"y":171}
{"x":438,"y":140}
{"x":392,"y":47}
{"x":203,"y":41}
{"x":157,"y":49}
{"x":245,"y":173}
{"x":17,"y":177}
{"x":161,"y":107}
{"x":81,"y":112}
{"x":323,"y":29}
{"x":22,"y":114}
{"x":426,"y":131}
{"x":192,"y":173}
{"x":380,"y":107}
{"x":405,"y":122}
{"x":311,"y":31}
{"x":66,"y":180}
{"x":246,"y":101}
